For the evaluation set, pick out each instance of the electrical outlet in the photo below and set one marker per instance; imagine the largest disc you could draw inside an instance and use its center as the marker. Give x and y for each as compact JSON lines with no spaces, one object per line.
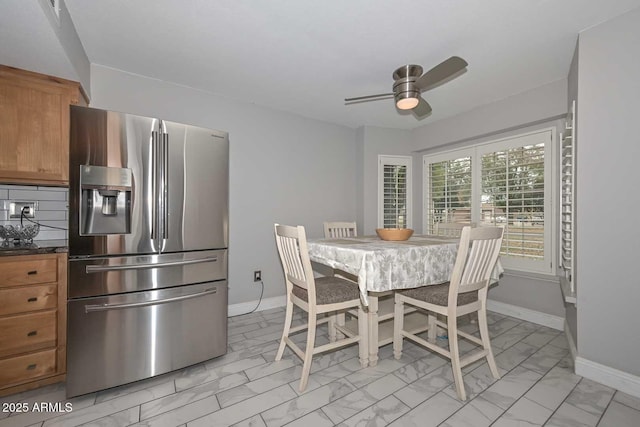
{"x":257,"y":276}
{"x":16,"y":209}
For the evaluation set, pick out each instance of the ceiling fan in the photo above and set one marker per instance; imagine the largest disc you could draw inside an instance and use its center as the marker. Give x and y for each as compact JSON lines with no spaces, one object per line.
{"x":409,"y":82}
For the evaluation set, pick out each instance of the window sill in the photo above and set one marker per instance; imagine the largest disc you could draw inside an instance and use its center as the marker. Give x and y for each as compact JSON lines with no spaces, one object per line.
{"x":568,"y":295}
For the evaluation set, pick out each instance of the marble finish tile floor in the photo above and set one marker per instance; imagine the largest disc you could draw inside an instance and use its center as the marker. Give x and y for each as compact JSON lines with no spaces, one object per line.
{"x":246,"y":387}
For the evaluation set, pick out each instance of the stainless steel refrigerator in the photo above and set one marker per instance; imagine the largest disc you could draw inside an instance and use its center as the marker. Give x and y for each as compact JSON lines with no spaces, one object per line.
{"x":148,"y":239}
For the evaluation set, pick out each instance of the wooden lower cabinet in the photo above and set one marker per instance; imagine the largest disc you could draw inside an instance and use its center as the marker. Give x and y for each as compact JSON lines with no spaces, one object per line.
{"x":27,"y":332}
{"x":28,"y":298}
{"x":33,"y":318}
{"x":27,"y":367}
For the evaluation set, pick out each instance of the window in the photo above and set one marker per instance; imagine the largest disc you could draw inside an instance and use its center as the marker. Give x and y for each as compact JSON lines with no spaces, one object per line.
{"x":513,"y":193}
{"x":449,"y":191}
{"x":394,"y":190}
{"x":507,"y":183}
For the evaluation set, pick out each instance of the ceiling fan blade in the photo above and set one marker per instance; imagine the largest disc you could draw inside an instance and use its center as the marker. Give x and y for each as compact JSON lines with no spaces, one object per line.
{"x":422,"y":109}
{"x":441,"y":73}
{"x":368,"y":98}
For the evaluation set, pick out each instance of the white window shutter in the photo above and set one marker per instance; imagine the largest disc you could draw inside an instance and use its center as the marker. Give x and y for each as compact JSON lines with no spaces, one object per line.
{"x":449,"y":187}
{"x":567,"y":206}
{"x":513,"y":196}
{"x":394,"y":192}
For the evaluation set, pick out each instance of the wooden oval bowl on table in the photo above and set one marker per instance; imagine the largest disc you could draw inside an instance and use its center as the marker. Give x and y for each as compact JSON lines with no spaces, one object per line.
{"x":396,"y":234}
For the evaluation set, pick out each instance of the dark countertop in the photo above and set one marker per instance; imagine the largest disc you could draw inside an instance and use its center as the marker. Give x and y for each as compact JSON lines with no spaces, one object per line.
{"x":37,"y":247}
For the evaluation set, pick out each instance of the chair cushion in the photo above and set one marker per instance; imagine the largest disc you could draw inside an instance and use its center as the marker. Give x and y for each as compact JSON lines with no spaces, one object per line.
{"x":330,"y":290}
{"x":438,"y":294}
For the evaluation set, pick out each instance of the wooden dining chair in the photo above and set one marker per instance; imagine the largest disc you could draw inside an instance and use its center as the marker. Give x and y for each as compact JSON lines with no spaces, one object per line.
{"x":338,"y":229}
{"x":450,"y":229}
{"x":465,"y":293}
{"x":453,"y":230}
{"x":316,"y":296}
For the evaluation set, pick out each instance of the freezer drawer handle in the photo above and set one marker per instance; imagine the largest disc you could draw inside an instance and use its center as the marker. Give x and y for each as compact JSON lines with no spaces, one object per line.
{"x":105,"y":307}
{"x":103,"y":268}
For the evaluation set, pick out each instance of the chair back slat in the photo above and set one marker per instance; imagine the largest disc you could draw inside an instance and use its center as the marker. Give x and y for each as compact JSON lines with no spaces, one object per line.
{"x":294,"y":255}
{"x":294,"y":268}
{"x":477,"y":256}
{"x":340,"y":229}
{"x":478,"y":262}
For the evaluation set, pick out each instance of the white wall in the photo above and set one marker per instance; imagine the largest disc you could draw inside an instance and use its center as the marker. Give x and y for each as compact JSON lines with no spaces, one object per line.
{"x":608,"y":194}
{"x":535,"y":109}
{"x":529,"y":107}
{"x":283,"y":168}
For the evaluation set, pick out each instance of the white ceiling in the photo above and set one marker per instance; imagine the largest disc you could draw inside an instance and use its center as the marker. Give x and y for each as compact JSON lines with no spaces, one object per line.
{"x":306,"y":56}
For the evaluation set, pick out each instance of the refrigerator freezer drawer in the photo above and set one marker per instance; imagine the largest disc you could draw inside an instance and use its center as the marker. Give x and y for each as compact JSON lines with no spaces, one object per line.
{"x":118,"y":339}
{"x":114,"y":275}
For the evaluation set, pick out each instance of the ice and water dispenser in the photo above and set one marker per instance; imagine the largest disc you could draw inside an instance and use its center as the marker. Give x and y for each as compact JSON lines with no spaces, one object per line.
{"x":105,"y":200}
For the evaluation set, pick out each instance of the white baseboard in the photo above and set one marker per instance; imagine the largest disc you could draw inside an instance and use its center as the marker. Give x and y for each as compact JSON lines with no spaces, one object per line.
{"x":611,"y":377}
{"x":265,"y":304}
{"x":533,"y":316}
{"x":537,"y":317}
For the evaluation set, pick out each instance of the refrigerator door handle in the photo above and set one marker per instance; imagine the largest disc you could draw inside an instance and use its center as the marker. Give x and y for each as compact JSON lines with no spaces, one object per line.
{"x":105,"y":268}
{"x":165,"y":185}
{"x":105,"y":307}
{"x":154,"y":185}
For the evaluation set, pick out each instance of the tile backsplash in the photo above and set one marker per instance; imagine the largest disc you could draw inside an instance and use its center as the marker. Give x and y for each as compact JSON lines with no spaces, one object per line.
{"x":52,"y":209}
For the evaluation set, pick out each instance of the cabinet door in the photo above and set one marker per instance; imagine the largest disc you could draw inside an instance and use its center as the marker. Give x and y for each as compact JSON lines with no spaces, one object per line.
{"x":20,"y":369}
{"x":27,"y":332}
{"x":34,"y":129}
{"x":28,"y":270}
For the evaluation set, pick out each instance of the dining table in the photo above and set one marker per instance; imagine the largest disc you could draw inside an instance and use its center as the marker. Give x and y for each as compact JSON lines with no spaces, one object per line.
{"x":383,"y":266}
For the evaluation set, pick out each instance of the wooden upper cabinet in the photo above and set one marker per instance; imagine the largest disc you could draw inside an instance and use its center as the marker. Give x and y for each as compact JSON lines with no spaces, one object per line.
{"x":34,"y":127}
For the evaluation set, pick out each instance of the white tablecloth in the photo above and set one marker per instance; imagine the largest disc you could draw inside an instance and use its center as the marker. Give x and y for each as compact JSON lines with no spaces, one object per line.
{"x":384,"y":265}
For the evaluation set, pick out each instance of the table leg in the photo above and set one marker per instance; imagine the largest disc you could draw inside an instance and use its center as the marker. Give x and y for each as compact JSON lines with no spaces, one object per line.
{"x":373,"y":329}
{"x":340,"y":321}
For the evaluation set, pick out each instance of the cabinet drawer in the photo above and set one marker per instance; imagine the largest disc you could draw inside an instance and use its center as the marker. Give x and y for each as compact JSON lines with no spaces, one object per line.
{"x":28,"y":332}
{"x":27,"y":298}
{"x":29,"y":271}
{"x":21,"y":368}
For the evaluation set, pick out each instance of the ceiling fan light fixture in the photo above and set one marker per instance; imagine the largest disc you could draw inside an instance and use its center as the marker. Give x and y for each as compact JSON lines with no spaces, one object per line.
{"x":406,"y":103}
{"x":407,"y":99}
{"x":405,"y":92}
